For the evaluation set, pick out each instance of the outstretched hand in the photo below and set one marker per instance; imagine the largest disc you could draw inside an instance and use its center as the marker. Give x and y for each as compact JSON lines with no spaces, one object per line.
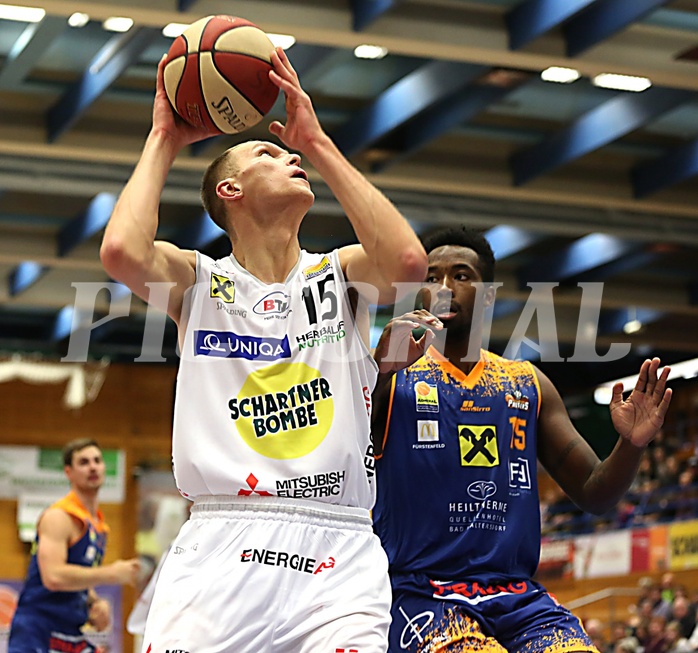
{"x":302,"y":125}
{"x":398,"y":348}
{"x":641,"y":415}
{"x":166,"y":119}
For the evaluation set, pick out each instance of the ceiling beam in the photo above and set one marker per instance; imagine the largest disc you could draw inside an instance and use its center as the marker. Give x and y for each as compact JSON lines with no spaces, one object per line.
{"x":603,"y":19}
{"x":92,"y":221}
{"x":677,"y":165}
{"x":29,"y":48}
{"x":364,"y":12}
{"x":608,"y":122}
{"x":529,"y":20}
{"x":26,"y":274}
{"x":110,"y":62}
{"x":477,"y":38}
{"x":425,"y":87}
{"x":450,"y":112}
{"x":577,"y":259}
{"x":614,"y":321}
{"x":506,"y":240}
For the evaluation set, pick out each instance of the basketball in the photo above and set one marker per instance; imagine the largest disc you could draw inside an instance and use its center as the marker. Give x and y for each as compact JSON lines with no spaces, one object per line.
{"x":217,"y":74}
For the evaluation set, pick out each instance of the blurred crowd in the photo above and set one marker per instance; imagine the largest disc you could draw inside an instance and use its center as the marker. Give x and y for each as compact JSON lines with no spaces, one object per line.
{"x":665,"y":490}
{"x":663,"y":620}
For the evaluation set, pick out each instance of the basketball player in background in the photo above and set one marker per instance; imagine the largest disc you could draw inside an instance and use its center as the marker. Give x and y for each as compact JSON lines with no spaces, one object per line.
{"x":457,"y":438}
{"x":271,"y":429}
{"x":58,"y":598}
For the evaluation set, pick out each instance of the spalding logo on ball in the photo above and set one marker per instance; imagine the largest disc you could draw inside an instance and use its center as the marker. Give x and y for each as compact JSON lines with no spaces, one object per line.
{"x":217,"y":74}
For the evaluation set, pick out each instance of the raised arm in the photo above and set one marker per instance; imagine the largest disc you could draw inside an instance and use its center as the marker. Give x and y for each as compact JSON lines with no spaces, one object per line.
{"x":596,"y":486}
{"x":56,"y":531}
{"x":389,"y":250}
{"x":129,"y":252}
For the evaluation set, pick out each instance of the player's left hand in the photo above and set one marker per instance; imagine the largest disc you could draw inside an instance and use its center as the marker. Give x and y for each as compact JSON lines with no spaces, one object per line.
{"x":99,"y":616}
{"x":302,"y":126}
{"x":641,"y":415}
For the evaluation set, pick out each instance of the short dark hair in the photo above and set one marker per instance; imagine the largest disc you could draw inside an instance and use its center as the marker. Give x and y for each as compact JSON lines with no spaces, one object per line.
{"x":77,"y":445}
{"x":464,"y":237}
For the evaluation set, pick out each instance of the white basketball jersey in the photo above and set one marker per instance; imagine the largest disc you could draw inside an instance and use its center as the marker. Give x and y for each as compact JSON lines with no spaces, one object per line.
{"x":274,"y":387}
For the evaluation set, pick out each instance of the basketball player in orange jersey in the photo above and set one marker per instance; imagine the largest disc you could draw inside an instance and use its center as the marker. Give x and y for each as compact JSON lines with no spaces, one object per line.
{"x":457,"y":438}
{"x":58,"y":598}
{"x":271,"y":434}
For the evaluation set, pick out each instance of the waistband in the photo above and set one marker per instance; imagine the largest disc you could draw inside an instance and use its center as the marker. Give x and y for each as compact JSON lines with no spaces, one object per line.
{"x":282,"y":509}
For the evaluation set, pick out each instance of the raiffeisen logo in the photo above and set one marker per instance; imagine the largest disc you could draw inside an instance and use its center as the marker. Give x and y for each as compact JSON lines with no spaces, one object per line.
{"x":226,"y":344}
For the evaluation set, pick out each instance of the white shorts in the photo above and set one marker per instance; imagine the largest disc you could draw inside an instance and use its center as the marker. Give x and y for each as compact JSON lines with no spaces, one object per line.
{"x":259,"y":574}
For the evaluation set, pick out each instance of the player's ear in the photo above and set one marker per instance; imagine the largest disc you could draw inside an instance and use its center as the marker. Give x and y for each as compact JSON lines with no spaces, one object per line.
{"x":490,"y":293}
{"x":227,"y":189}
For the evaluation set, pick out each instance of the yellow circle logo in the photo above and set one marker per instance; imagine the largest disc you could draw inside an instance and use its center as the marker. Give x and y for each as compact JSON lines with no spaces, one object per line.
{"x":283,"y":411}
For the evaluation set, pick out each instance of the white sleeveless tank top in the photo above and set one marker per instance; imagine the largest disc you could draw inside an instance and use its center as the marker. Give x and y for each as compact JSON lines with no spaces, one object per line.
{"x":274,"y":387}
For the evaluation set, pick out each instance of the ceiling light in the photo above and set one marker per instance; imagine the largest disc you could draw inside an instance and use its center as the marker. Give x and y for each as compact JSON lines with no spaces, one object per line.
{"x":560,"y":75}
{"x":370,"y":52}
{"x":173,"y":30}
{"x":603,"y":395}
{"x":687,"y":369}
{"x":632,"y":326}
{"x":284,"y":41}
{"x":622,"y":82}
{"x":117,"y":24}
{"x":23,"y":14}
{"x":78,"y":19}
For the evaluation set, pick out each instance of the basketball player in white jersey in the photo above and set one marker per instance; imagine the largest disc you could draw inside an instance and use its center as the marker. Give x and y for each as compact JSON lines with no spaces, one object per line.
{"x":271,"y":429}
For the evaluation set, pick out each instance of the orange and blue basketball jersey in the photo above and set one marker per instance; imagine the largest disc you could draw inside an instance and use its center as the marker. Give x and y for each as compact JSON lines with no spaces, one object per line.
{"x":457,"y":512}
{"x":471,"y":442}
{"x":47,"y":621}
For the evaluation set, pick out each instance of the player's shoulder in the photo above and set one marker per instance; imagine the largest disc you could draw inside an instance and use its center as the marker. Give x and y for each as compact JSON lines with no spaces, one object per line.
{"x":57,"y":522}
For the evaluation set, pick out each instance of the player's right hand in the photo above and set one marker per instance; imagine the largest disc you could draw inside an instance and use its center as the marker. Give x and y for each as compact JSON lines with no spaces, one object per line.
{"x":126,"y":571}
{"x":166,"y":119}
{"x":398,"y":348}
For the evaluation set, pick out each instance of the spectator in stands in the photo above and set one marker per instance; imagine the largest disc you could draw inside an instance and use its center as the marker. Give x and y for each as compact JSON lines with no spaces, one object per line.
{"x":659,"y":455}
{"x":676,"y":642}
{"x":669,"y":474}
{"x":683,"y":614}
{"x":627,"y":645}
{"x":619,"y":631}
{"x":645,"y":480}
{"x":693,"y":639}
{"x":660,"y":606}
{"x":655,"y":641}
{"x":684,"y":502}
{"x":625,"y":514}
{"x":595,"y":629}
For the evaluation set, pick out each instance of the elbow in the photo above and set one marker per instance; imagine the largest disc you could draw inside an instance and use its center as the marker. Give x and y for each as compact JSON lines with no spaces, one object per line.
{"x":414,"y":264}
{"x":112,"y":254}
{"x":116,"y":258}
{"x":52,"y":582}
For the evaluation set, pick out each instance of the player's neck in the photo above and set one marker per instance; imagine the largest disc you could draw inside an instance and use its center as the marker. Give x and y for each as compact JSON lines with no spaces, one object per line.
{"x":89,"y":500}
{"x":462,"y":359}
{"x":270,"y":259}
{"x":463,"y":350}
